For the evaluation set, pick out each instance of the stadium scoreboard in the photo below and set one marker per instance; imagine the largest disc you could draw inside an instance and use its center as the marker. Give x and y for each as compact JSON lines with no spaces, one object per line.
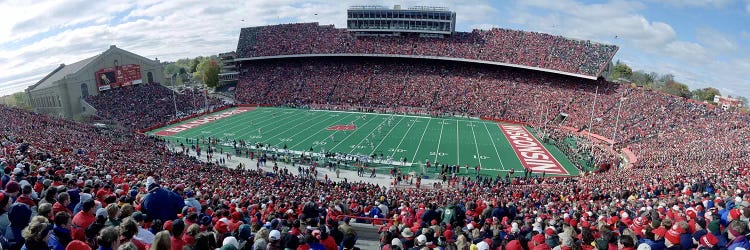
{"x":382,"y":21}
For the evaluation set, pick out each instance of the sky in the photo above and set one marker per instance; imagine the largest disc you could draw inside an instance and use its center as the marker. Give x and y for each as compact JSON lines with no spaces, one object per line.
{"x":701,"y":42}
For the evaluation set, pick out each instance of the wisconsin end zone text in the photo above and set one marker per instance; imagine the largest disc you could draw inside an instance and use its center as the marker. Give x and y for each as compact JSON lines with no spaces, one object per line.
{"x":532,"y":154}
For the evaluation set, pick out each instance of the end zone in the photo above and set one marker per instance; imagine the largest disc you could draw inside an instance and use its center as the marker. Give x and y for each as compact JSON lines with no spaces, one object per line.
{"x":202,"y":121}
{"x":533,"y":155}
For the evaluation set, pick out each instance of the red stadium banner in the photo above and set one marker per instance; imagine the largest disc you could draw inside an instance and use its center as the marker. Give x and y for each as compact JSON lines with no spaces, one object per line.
{"x":118,"y":76}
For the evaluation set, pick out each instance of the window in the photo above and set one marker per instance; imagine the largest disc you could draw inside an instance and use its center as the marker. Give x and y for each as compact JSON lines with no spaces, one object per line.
{"x":84,"y":90}
{"x":150,"y":77}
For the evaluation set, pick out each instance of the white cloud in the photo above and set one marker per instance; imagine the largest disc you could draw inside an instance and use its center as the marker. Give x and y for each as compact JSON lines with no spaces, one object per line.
{"x":717,"y":41}
{"x":600,"y":22}
{"x":54,"y":32}
{"x":718,"y":4}
{"x":484,"y":26}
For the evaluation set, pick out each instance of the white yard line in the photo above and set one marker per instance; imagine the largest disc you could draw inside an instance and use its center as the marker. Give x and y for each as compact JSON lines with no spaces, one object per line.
{"x":494,"y":146}
{"x":368,"y":135}
{"x":479,"y":157}
{"x":353,"y":132}
{"x":402,"y":139}
{"x":420,"y":140}
{"x":437,"y":151}
{"x":458,"y":147}
{"x":386,"y":136}
{"x":301,"y":131}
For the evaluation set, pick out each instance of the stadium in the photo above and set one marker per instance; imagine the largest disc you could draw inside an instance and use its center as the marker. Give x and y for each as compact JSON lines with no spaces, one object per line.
{"x":397,"y":132}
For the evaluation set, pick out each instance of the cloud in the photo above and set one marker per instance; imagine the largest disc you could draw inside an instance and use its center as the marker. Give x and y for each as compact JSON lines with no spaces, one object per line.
{"x":745,"y":35}
{"x":717,"y":4}
{"x":49,"y":33}
{"x":485,"y":26}
{"x":715,"y":40}
{"x":593,"y":21}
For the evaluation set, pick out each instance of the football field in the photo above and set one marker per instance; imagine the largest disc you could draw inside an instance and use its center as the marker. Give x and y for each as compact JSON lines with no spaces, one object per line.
{"x":406,"y":141}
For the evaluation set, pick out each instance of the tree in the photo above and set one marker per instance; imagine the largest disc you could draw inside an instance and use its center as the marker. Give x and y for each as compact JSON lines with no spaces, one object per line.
{"x":743,"y":100}
{"x":675,"y":88}
{"x":706,"y":94}
{"x":642,"y":79}
{"x":194,"y":65}
{"x":211,"y":74}
{"x":621,"y":70}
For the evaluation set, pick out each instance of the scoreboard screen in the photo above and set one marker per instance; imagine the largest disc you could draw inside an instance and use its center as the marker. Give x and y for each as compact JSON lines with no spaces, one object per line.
{"x":118,"y":76}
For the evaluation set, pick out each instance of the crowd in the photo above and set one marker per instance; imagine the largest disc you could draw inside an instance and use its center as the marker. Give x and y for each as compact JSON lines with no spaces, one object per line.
{"x":145,"y":105}
{"x":68,"y":185}
{"x":496,"y":45}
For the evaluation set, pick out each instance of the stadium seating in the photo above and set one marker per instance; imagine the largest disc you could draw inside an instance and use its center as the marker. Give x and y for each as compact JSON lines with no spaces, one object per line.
{"x":496,"y":45}
{"x":653,"y":124}
{"x":146,"y":105}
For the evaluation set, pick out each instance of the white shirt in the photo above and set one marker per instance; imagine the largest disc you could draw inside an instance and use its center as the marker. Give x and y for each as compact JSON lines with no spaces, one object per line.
{"x":144,"y":236}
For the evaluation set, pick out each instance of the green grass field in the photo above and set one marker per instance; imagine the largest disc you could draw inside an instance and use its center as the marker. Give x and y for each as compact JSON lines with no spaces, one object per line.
{"x":416,"y":138}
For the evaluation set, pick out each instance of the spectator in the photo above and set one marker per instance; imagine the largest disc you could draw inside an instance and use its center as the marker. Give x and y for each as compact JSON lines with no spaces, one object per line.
{"x":109,"y":238}
{"x":162,"y":204}
{"x":161,"y":241}
{"x":36,"y":234}
{"x":61,"y":235}
{"x":20,"y":216}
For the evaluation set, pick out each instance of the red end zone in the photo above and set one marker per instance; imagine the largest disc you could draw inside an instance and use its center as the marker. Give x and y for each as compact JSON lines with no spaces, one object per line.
{"x":532,"y":154}
{"x":201,"y":121}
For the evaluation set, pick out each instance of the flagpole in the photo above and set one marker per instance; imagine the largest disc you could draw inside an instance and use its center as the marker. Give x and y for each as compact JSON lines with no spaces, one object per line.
{"x":617,"y":120}
{"x":591,"y":119}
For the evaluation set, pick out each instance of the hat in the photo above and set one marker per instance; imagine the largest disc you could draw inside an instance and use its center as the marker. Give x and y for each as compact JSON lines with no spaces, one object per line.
{"x":549,"y":231}
{"x":102,"y":212}
{"x":421,"y":239}
{"x":539,"y":239}
{"x":77,"y":245}
{"x":709,"y":239}
{"x":397,"y":242}
{"x":643,"y":246}
{"x":672,"y":236}
{"x":228,"y":247}
{"x":735,"y":213}
{"x":483,"y":246}
{"x":230,"y":241}
{"x":137,"y":216}
{"x":274,"y":235}
{"x":12,"y":187}
{"x":407,"y":233}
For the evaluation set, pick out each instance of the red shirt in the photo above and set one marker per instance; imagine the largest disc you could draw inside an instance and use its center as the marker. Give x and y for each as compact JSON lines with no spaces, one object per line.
{"x":329,"y":243}
{"x":177,"y":243}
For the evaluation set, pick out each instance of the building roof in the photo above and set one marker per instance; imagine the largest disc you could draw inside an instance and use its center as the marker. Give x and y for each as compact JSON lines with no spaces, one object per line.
{"x":64,"y":70}
{"x":61,"y":72}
